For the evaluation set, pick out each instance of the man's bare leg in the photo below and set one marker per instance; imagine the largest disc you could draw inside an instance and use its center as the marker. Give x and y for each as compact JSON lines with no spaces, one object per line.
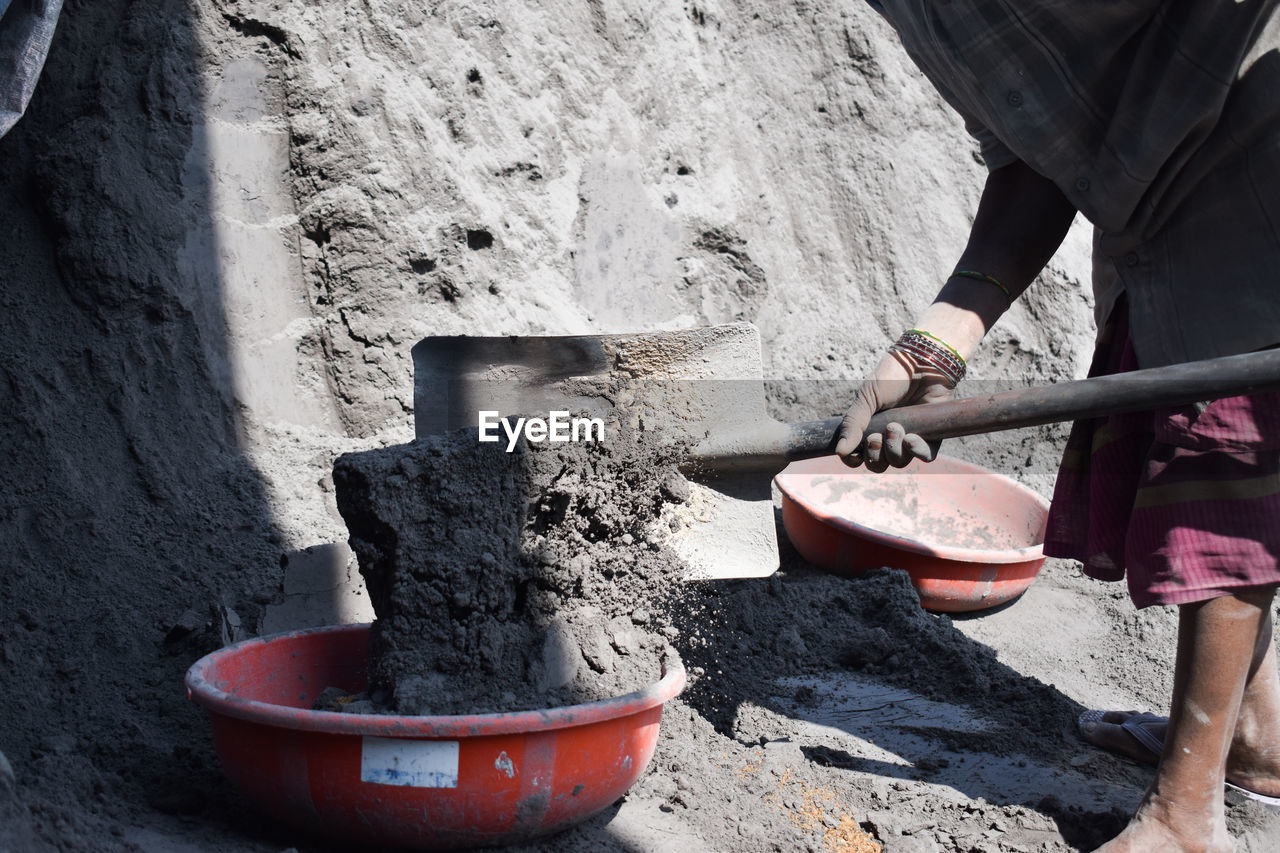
{"x":1218,"y":642}
{"x":1254,"y":760}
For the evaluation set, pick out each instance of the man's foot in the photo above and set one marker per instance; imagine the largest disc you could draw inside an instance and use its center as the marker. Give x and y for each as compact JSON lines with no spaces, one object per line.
{"x":1251,"y":770}
{"x":1153,"y":830}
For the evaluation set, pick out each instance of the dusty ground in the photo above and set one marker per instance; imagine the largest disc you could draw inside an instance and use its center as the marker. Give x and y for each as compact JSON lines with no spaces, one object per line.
{"x":225,"y":225}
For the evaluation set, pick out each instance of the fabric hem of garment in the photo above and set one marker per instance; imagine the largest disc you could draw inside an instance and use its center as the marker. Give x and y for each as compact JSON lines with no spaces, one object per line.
{"x":1170,"y":599}
{"x":1195,"y":596}
{"x":1066,"y":551}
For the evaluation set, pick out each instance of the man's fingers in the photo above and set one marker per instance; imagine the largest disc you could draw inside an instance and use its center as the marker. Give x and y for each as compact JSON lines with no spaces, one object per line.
{"x":873,"y":453}
{"x":893,"y":435}
{"x":918,"y":448}
{"x":846,"y":443}
{"x":849,"y":436}
{"x":894,"y":448}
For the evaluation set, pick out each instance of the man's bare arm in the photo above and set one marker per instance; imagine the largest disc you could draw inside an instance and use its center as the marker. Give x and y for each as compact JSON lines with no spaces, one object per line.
{"x":1021,"y":221}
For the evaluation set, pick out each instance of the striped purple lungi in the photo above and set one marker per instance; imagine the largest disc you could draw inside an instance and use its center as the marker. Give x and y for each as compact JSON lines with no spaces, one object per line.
{"x":1183,"y":502}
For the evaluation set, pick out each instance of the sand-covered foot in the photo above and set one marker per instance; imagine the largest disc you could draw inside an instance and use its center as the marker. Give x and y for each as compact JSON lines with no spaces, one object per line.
{"x":1253,"y":764}
{"x":1158,"y":828}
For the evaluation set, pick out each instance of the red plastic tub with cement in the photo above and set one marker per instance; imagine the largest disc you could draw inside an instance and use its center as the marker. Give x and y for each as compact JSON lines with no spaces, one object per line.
{"x":969,"y":538}
{"x":421,"y":782}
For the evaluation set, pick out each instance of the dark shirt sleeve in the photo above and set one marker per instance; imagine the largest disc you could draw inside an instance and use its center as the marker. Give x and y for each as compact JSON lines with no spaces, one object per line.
{"x":995,"y":154}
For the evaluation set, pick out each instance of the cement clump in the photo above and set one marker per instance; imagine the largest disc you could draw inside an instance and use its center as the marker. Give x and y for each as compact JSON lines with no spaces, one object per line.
{"x":511,"y":581}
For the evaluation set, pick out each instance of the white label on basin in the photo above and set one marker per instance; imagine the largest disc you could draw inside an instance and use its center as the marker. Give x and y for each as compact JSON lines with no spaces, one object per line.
{"x":412,"y":763}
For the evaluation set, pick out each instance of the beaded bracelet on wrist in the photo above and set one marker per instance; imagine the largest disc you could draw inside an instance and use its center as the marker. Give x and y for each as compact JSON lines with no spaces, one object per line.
{"x":933,"y":351}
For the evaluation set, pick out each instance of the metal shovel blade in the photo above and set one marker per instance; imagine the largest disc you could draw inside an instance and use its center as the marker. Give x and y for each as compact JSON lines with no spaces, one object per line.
{"x":692,"y":383}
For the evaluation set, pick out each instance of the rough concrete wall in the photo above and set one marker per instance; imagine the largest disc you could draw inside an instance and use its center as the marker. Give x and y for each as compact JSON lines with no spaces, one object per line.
{"x":518,"y":168}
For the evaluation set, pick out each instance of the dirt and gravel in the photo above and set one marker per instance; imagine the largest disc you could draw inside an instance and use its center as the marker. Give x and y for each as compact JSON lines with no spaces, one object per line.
{"x":226,"y":222}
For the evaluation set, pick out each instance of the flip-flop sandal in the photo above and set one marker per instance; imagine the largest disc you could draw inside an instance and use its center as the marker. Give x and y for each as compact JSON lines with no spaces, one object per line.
{"x":1136,"y":726}
{"x":1272,"y":802}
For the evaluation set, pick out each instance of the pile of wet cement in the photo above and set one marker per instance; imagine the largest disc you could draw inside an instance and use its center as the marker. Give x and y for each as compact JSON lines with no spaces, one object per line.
{"x":515,"y":580}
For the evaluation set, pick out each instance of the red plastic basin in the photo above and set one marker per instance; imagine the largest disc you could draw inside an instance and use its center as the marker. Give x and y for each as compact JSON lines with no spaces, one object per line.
{"x":969,"y":538}
{"x":421,"y":782}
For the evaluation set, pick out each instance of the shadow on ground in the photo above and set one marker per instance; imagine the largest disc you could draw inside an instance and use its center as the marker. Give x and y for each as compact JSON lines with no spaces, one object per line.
{"x":873,"y":684}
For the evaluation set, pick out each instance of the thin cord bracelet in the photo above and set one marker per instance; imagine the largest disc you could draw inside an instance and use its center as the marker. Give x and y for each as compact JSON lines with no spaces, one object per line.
{"x":981,"y":276}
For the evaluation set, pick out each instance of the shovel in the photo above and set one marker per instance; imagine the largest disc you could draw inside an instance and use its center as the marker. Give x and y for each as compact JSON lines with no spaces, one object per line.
{"x":705,"y":387}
